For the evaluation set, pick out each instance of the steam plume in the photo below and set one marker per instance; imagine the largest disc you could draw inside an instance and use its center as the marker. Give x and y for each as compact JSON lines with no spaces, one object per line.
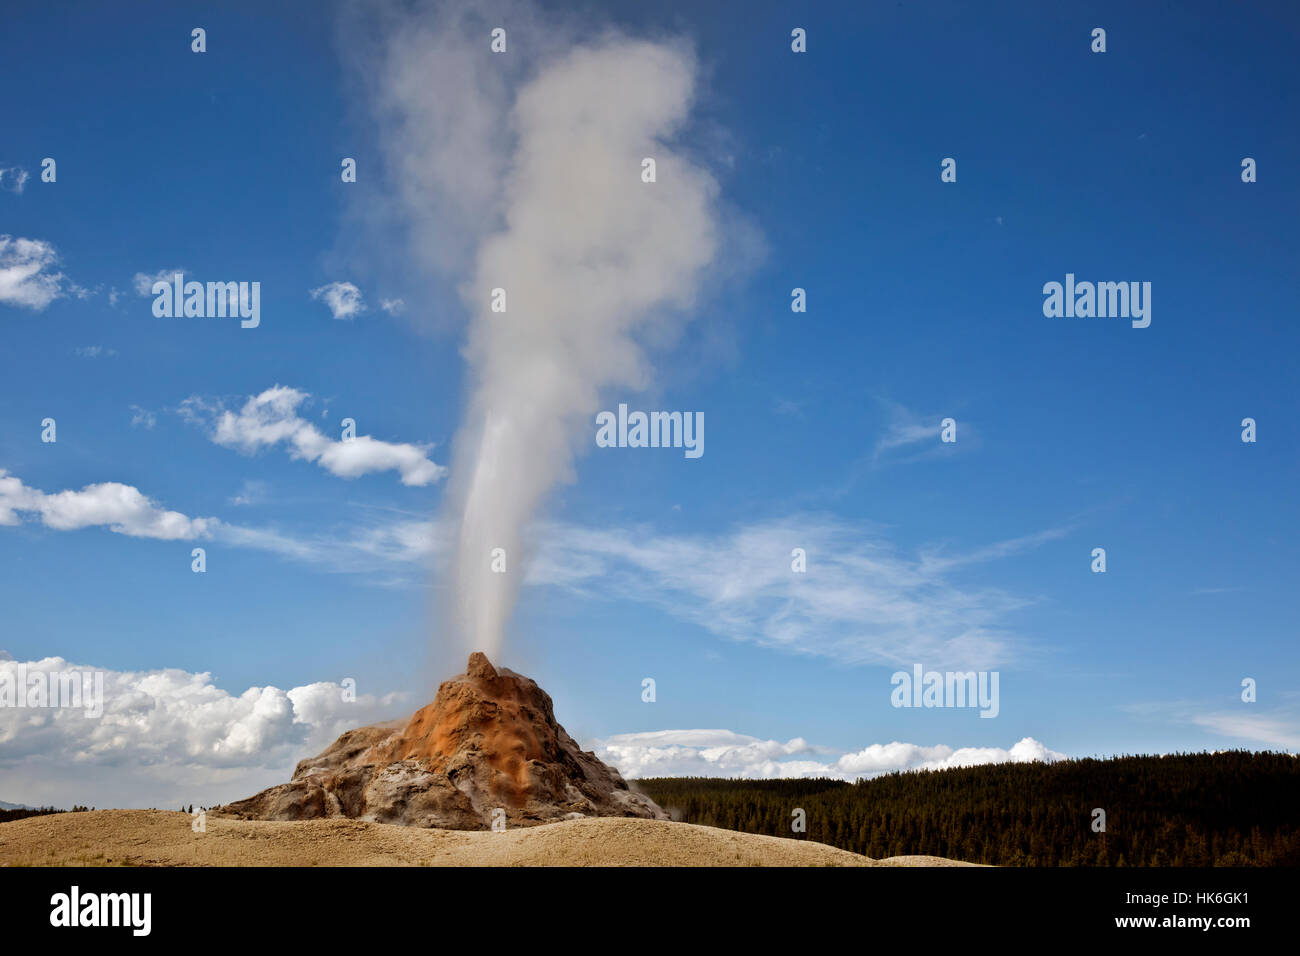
{"x":591,"y":259}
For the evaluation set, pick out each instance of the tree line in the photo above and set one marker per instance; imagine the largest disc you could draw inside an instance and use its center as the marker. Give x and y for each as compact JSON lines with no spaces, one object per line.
{"x":1234,"y":808}
{"x":22,"y":813}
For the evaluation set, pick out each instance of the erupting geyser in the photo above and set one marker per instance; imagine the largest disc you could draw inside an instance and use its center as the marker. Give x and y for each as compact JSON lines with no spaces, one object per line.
{"x":488,"y":749}
{"x":590,"y":255}
{"x":523,"y":179}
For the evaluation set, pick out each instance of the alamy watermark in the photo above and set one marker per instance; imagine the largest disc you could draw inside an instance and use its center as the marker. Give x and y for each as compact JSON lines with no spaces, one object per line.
{"x":1102,"y":300}
{"x":651,"y":430}
{"x":130,"y":910}
{"x":213,"y":300}
{"x":923,"y":688}
{"x":77,"y":689}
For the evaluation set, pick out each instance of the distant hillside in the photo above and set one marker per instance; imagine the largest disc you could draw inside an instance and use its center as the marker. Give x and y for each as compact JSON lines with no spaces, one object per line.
{"x":13,"y":806}
{"x":1227,"y":809}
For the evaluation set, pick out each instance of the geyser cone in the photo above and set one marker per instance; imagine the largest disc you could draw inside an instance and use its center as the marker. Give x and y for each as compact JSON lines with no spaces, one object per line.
{"x":487,"y":747}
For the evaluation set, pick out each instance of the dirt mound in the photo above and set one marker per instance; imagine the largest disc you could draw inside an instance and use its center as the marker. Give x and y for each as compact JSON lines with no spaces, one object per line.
{"x":487,"y":750}
{"x":162,"y":838}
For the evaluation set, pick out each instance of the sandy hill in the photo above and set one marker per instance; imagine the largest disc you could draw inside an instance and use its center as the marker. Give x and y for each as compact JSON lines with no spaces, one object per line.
{"x":165,"y":838}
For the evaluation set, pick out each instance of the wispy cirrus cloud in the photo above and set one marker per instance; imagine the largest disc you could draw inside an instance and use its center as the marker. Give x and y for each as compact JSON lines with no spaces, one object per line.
{"x":937,"y":561}
{"x":1273,"y":726}
{"x":251,"y":492}
{"x":95,"y":351}
{"x":861,"y":600}
{"x":911,"y":436}
{"x":143,"y":418}
{"x":1272,"y":729}
{"x":351,"y":547}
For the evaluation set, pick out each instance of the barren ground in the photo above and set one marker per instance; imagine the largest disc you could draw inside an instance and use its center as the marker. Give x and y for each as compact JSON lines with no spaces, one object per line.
{"x":164,"y":838}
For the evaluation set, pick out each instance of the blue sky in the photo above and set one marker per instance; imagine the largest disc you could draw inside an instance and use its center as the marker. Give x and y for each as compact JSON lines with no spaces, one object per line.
{"x":924,"y":302}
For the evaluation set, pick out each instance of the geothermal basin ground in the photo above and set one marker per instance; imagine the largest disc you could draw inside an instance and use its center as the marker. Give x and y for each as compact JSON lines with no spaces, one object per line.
{"x":166,"y":838}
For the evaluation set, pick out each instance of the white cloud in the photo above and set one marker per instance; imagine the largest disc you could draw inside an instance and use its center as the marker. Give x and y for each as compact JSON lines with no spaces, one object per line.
{"x":272,"y":418}
{"x":27,"y":276}
{"x":168,"y":735}
{"x":143,"y":281}
{"x":788,"y":408}
{"x":142,"y":418}
{"x":906,"y":428}
{"x":197,"y":410}
{"x":723,"y":753}
{"x":1273,"y":730}
{"x":391,"y":306}
{"x":95,"y":351}
{"x":886,"y":758}
{"x":13,"y":179}
{"x":343,"y":299}
{"x":251,"y":492}
{"x":362,"y":550}
{"x":118,"y":507}
{"x":933,"y":562}
{"x":861,"y":601}
{"x":910,"y":436}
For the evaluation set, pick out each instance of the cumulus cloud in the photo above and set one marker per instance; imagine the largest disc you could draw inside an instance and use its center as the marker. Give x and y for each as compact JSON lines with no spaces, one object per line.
{"x":28,"y":277}
{"x":724,"y":753}
{"x":168,"y":735}
{"x":886,"y":758}
{"x":343,"y":299}
{"x":113,"y":505}
{"x":272,"y":418}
